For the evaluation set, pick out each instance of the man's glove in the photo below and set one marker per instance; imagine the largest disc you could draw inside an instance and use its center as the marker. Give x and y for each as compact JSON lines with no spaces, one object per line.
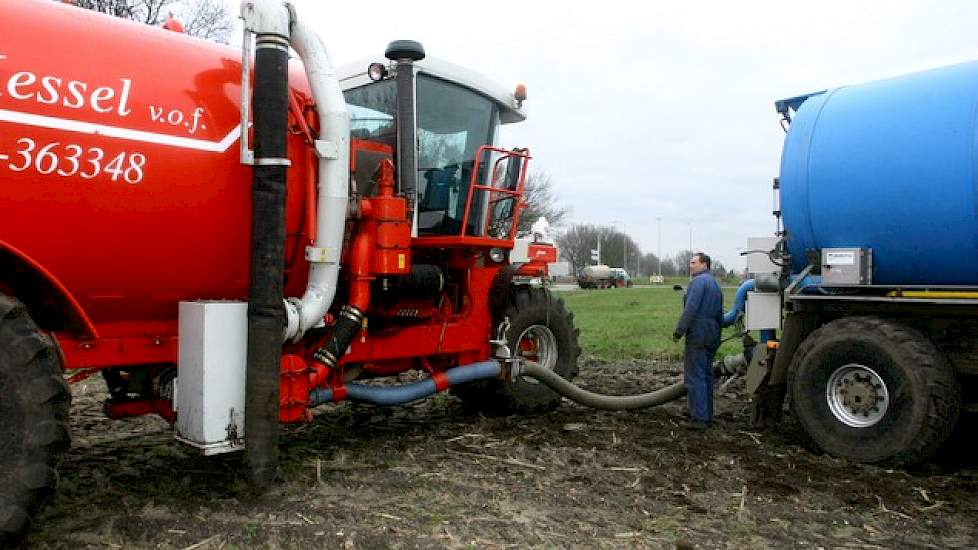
{"x":676,"y":337}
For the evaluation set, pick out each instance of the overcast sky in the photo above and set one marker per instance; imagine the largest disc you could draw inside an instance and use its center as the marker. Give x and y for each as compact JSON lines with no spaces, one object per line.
{"x":640,"y":110}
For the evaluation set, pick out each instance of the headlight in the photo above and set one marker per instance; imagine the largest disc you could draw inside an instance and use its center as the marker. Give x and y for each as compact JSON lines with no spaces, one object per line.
{"x":497,"y":255}
{"x":376,"y":71}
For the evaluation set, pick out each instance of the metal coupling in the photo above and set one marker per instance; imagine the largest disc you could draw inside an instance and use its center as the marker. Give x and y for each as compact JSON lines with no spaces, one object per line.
{"x":352,"y":313}
{"x":323,"y":356}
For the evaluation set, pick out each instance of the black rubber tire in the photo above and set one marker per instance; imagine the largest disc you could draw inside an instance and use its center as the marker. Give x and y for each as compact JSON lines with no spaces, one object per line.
{"x":34,"y":402}
{"x":924,"y":399}
{"x":527,"y":307}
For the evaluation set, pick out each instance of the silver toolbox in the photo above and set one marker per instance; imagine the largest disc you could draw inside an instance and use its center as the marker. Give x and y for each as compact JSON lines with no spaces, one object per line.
{"x":847,"y":266}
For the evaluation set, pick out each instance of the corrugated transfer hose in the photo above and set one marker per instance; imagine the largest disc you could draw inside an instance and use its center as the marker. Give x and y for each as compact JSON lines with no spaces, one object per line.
{"x":598,"y":401}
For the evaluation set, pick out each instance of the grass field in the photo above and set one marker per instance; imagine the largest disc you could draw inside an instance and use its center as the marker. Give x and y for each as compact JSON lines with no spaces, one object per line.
{"x":634,"y":324}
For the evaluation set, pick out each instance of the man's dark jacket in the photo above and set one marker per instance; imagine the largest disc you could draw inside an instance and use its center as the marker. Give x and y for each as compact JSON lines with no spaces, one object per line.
{"x":702,"y":312}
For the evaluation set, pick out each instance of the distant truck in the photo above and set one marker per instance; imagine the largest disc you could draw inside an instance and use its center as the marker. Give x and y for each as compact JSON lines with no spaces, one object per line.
{"x":602,"y":276}
{"x":594,"y":276}
{"x":620,"y":278}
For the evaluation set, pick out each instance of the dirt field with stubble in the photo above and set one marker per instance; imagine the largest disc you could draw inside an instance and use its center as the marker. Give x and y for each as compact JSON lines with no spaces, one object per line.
{"x":433,"y":475}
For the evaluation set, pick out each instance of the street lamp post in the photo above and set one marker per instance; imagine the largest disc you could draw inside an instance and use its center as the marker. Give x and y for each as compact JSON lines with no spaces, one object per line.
{"x":659,"y":270}
{"x":624,"y":246}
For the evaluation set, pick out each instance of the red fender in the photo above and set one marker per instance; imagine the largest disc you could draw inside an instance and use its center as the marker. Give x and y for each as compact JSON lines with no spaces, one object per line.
{"x":49,"y":301}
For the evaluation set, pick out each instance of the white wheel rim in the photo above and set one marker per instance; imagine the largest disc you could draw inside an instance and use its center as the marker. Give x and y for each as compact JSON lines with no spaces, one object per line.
{"x":857,"y":395}
{"x":542,"y":350}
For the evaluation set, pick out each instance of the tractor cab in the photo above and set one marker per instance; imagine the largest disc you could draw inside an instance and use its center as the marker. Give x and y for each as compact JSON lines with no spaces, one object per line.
{"x":462,"y":189}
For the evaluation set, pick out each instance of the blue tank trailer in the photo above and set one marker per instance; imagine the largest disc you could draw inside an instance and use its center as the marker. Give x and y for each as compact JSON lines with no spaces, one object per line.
{"x":867,"y":296}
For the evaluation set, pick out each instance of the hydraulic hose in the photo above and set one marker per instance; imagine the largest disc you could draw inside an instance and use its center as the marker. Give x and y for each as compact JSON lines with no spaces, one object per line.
{"x":400,"y":395}
{"x":598,"y":401}
{"x":347,"y":327}
{"x":351,"y":318}
{"x":740,"y":302}
{"x":809,"y":284}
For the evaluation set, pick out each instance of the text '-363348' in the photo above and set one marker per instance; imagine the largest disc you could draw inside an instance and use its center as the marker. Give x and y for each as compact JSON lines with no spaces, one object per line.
{"x":80,"y":108}
{"x":69,"y":159}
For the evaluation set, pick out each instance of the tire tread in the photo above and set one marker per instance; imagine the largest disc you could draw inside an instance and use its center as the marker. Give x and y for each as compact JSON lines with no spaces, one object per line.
{"x":939,"y":380}
{"x":33,"y":364}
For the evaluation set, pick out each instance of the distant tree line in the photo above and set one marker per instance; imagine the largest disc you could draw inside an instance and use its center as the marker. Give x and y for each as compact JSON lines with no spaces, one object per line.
{"x":618,"y":249}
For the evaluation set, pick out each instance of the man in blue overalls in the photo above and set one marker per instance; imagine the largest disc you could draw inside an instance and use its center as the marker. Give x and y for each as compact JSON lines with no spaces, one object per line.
{"x":700,"y":324}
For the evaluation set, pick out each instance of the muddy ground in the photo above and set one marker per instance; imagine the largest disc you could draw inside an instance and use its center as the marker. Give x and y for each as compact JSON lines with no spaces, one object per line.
{"x":434,"y":475}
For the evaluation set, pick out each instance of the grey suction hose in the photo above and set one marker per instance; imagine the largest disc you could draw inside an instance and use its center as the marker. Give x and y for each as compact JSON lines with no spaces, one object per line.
{"x":598,"y":401}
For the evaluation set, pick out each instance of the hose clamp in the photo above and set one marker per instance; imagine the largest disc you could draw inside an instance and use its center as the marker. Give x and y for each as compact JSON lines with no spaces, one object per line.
{"x":352,"y":313}
{"x":273,"y":162}
{"x":265,"y":41}
{"x":325,"y":357}
{"x":291,"y":319}
{"x":516,"y":368}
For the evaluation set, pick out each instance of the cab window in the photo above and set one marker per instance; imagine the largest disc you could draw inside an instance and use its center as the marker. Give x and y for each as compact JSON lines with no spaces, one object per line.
{"x":372,"y":109}
{"x":453,"y":122}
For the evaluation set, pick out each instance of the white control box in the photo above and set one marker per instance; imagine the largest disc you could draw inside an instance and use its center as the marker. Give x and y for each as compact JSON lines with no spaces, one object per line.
{"x":763,"y":311}
{"x":213,"y":341}
{"x":521,"y":251}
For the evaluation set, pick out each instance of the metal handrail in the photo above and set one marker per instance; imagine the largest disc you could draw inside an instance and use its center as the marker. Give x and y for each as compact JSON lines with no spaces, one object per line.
{"x":475,"y":186}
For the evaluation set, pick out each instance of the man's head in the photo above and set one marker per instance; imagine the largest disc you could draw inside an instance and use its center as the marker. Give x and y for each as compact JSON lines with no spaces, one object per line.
{"x":698,"y":263}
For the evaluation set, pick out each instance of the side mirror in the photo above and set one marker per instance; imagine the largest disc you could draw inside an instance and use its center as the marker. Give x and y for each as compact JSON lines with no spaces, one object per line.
{"x":677,"y":287}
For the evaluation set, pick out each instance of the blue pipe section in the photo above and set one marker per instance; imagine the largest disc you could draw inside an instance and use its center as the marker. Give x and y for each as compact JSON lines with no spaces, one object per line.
{"x":400,"y":395}
{"x":472,"y":372}
{"x":810,"y":283}
{"x":740,"y":302}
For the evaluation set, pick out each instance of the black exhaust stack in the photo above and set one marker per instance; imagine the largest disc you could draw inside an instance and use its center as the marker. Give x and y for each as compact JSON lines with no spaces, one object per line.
{"x":404,"y":53}
{"x":266,"y":312}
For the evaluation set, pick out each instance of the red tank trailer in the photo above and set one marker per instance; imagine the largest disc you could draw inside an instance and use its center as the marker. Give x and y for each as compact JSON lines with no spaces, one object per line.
{"x":142,"y":240}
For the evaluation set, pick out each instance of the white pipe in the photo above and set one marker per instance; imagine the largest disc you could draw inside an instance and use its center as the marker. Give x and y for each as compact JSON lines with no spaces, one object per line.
{"x":333,"y":150}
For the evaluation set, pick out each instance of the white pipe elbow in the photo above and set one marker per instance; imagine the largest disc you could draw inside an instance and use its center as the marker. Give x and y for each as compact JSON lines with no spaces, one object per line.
{"x":333,"y":150}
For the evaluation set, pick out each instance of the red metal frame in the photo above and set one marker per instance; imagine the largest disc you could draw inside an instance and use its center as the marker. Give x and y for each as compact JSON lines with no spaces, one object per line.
{"x":517,"y":194}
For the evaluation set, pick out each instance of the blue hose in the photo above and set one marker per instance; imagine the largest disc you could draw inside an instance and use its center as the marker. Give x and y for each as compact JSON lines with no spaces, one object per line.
{"x":810,"y":284}
{"x":740,"y":302}
{"x":399,"y":395}
{"x":807,"y":285}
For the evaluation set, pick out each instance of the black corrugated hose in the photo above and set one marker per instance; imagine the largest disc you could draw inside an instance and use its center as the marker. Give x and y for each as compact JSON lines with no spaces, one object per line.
{"x":266,"y":311}
{"x":597,"y":401}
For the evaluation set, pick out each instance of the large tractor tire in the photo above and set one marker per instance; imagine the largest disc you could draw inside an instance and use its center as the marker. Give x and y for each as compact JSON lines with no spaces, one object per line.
{"x":34,"y":401}
{"x":542,"y":330}
{"x":874,"y":391}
